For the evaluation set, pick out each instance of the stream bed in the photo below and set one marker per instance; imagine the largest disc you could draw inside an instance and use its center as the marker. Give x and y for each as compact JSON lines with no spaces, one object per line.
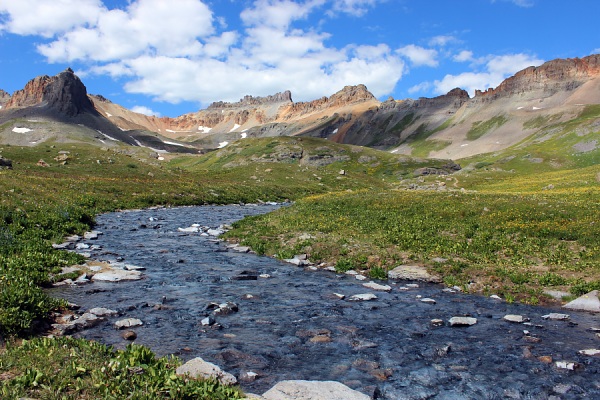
{"x":291,"y":322}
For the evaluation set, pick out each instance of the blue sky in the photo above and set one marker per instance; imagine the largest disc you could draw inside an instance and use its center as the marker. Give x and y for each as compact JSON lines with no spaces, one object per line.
{"x":169,"y":57}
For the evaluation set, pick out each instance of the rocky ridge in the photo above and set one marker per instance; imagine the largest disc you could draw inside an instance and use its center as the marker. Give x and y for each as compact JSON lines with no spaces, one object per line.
{"x":352,"y":115}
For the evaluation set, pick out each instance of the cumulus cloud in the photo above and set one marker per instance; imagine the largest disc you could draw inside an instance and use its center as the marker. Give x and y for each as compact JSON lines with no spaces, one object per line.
{"x":47,"y":17}
{"x":463,"y":56}
{"x":495,"y":70}
{"x":419,"y":56}
{"x":180,"y":51}
{"x":145,"y":110}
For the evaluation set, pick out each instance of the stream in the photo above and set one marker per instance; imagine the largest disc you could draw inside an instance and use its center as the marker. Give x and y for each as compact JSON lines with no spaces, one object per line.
{"x":290,"y":323}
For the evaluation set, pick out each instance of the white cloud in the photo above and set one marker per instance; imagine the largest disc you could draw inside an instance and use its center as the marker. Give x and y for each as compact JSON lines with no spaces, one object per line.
{"x":421,"y":87}
{"x":419,"y":56}
{"x":496,"y":69}
{"x":353,"y":7}
{"x":464,"y":55}
{"x":47,"y":17}
{"x":145,"y":110}
{"x":442,"y":40}
{"x":146,"y":25}
{"x":180,"y":51}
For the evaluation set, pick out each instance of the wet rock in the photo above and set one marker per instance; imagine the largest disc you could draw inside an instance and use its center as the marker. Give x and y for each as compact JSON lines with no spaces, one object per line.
{"x":198,"y":368}
{"x":495,"y":297}
{"x":129,"y":335}
{"x":215,"y":231}
{"x":363,"y":297}
{"x":436,"y":322}
{"x":590,"y":352}
{"x":312,"y":390}
{"x":128,"y":323}
{"x":556,"y":317}
{"x":93,"y":235}
{"x":117,"y":275}
{"x":339,"y":296}
{"x":264,"y":276}
{"x":413,"y":273}
{"x":248,"y":376}
{"x":587,"y":302}
{"x":85,"y":321}
{"x":545,"y":359}
{"x":241,"y":249}
{"x":245,"y":276}
{"x":568,"y":365}
{"x":299,"y":260}
{"x":514,"y":318}
{"x":208,"y":321}
{"x":360,"y":277}
{"x":377,"y":286}
{"x":226,"y":308}
{"x":428,"y":301}
{"x":102,"y":312}
{"x":462,"y":321}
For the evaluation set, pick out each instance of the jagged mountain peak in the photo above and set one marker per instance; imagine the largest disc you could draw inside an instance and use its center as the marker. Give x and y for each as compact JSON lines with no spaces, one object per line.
{"x":67,"y":95}
{"x":248,"y":100}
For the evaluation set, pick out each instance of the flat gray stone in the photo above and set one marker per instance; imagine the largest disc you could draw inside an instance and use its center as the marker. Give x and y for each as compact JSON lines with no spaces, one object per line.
{"x":117,"y":275}
{"x":102,"y":312}
{"x":514,"y":318}
{"x":128,"y":323}
{"x":363,"y":297}
{"x":313,"y":390}
{"x":377,"y":286}
{"x":198,"y":368}
{"x":413,"y":273}
{"x":462,"y":321}
{"x":587,"y":302}
{"x":556,"y":317}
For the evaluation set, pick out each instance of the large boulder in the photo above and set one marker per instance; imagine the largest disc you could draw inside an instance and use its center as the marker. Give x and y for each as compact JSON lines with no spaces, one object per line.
{"x":198,"y":368}
{"x":587,"y":302}
{"x":5,"y":163}
{"x":313,"y":390}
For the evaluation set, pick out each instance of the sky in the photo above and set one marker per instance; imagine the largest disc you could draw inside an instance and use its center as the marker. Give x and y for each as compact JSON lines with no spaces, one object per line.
{"x":170,"y":57}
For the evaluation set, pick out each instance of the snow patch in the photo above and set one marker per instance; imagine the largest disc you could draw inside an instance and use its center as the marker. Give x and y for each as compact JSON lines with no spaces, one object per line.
{"x":122,"y":129}
{"x":394,"y":151}
{"x":235,"y":126}
{"x":245,"y":130}
{"x":464,"y":145}
{"x":168,"y":130}
{"x":148,"y":147}
{"x":244,"y":135}
{"x":519,"y":108}
{"x":173,"y":143}
{"x":222,"y":144}
{"x":108,"y":137}
{"x":335,"y":130}
{"x":22,"y":130}
{"x":204,"y":129}
{"x":108,"y":115}
{"x":535,"y":108}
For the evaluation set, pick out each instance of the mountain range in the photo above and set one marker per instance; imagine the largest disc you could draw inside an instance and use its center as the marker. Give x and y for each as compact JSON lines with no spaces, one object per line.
{"x":454,"y":125}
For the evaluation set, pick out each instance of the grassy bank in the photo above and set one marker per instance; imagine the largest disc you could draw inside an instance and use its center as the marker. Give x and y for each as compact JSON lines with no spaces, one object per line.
{"x":514,"y":245}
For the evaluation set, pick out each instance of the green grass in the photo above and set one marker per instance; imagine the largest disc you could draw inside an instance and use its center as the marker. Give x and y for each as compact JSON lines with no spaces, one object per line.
{"x":423,"y":148}
{"x":67,"y":368}
{"x":504,"y":242}
{"x":480,"y":128}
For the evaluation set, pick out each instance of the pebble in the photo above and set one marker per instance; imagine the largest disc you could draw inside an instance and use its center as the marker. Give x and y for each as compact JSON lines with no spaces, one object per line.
{"x":339,"y":296}
{"x":360,"y":277}
{"x":571,"y":366}
{"x":428,"y":301}
{"x":437,"y":322}
{"x":129,"y":335}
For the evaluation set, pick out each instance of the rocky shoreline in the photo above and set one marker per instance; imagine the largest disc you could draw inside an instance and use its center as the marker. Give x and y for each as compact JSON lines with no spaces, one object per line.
{"x":430,"y":378}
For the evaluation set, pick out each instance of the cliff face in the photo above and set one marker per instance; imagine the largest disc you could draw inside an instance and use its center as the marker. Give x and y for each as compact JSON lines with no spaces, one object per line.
{"x":31,"y":94}
{"x":551,"y":77}
{"x":4,"y":98}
